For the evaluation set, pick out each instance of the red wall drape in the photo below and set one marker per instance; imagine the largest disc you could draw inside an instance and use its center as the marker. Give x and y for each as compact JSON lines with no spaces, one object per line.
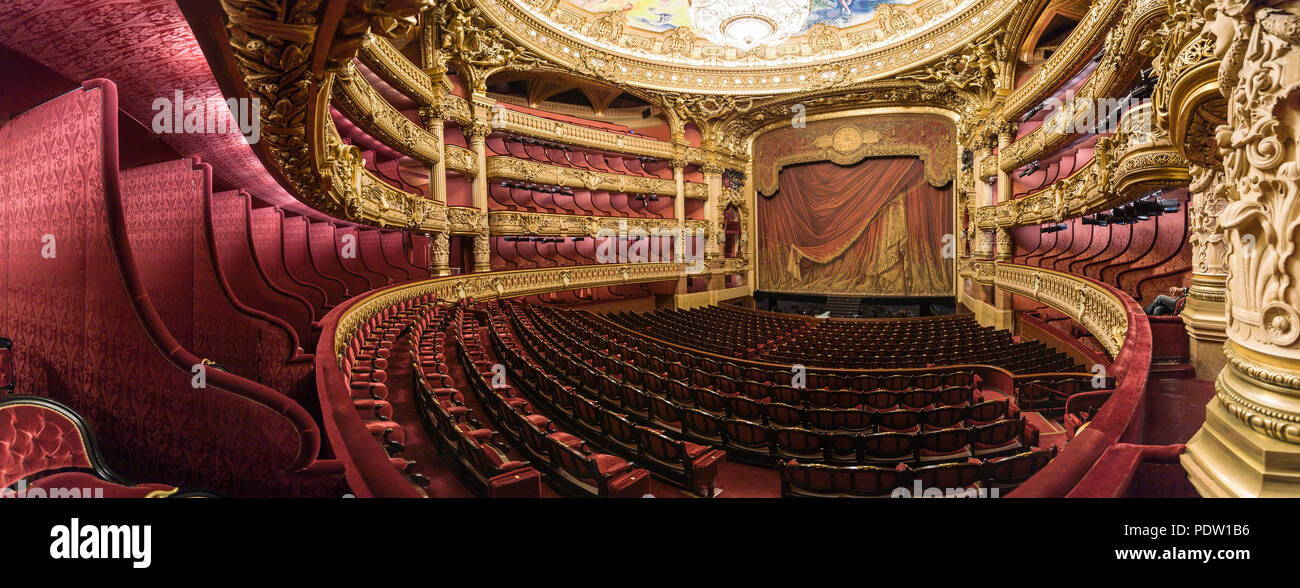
{"x":872,"y":228}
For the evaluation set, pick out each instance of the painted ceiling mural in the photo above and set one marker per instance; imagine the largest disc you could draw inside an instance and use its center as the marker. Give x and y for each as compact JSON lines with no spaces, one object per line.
{"x":664,"y":15}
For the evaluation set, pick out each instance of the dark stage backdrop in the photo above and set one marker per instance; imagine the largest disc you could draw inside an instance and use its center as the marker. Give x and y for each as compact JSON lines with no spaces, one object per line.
{"x":875,"y":228}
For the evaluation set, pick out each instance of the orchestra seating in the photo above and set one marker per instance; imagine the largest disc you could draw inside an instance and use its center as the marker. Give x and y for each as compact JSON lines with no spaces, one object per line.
{"x":941,"y":423}
{"x":908,"y":343}
{"x":689,"y":465}
{"x":815,"y":480}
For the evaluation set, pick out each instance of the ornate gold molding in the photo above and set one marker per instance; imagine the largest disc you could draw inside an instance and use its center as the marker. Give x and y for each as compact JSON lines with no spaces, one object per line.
{"x":1098,"y":310}
{"x":364,"y":106}
{"x":848,"y":140}
{"x":506,"y":167}
{"x":509,"y":222}
{"x":1119,"y":65}
{"x":461,"y":160}
{"x":535,"y":27}
{"x":389,"y":64}
{"x":1132,"y":162}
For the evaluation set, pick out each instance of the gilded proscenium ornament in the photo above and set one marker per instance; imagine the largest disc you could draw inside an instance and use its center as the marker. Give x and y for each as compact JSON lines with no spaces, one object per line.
{"x":474,"y":48}
{"x":846,"y":141}
{"x":505,"y":167}
{"x":975,"y":71}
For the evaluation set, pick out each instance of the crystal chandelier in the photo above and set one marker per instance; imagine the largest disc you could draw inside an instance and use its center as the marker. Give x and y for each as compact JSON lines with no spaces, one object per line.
{"x":746,"y":24}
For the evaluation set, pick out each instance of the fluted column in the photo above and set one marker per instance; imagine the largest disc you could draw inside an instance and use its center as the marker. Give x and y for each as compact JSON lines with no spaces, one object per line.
{"x":1250,"y":442}
{"x":434,"y":123}
{"x":477,"y":133}
{"x":679,"y":208}
{"x":1205,"y":316}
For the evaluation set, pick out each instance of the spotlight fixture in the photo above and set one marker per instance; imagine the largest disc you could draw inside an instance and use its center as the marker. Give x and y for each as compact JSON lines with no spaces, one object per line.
{"x":1030,"y":169}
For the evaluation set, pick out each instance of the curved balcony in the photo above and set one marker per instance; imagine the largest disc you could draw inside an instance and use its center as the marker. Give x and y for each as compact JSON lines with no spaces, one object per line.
{"x":1119,"y":65}
{"x":1134,"y":161}
{"x":1118,"y":323}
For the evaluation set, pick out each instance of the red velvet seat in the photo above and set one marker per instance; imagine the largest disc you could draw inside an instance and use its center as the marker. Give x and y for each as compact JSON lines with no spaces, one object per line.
{"x":600,"y":475}
{"x":696,"y":464}
{"x":45,"y":446}
{"x":747,"y":438}
{"x":1009,"y":472}
{"x":701,"y":426}
{"x":888,"y":448}
{"x":813,"y":480}
{"x":944,"y":445}
{"x":950,"y":476}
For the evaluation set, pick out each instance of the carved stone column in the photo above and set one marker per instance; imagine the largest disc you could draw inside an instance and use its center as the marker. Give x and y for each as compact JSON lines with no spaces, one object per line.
{"x":679,"y":209}
{"x":1002,"y":244}
{"x":483,"y":251}
{"x":476,"y":133}
{"x":1006,"y":133}
{"x":1250,"y":442}
{"x":713,"y":180}
{"x":985,"y":244}
{"x":1204,"y":315}
{"x":440,"y":254}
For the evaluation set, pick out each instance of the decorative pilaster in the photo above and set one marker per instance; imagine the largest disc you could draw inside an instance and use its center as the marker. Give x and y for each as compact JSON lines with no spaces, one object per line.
{"x":713,"y":181}
{"x":1250,"y":442}
{"x":1002,"y":244}
{"x":1204,"y":315}
{"x":440,"y":254}
{"x":679,"y":208}
{"x":483,"y":251}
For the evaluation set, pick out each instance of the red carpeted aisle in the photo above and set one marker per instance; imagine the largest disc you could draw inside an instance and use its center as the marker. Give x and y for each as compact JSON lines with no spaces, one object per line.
{"x":441,"y":470}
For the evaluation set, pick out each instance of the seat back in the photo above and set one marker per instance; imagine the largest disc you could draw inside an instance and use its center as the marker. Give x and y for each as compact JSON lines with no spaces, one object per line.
{"x":40,"y":435}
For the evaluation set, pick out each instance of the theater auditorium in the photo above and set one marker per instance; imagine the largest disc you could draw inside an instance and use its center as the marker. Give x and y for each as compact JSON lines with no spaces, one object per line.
{"x":654,"y":248}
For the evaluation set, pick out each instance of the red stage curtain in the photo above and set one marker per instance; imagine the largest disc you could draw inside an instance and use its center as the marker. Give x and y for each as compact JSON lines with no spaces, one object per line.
{"x":873,"y":228}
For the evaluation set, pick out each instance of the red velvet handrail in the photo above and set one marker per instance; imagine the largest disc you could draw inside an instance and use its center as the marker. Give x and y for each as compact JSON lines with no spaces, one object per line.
{"x":1119,"y":419}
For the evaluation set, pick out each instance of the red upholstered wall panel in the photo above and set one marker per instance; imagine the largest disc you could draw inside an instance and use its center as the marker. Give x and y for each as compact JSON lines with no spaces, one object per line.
{"x":87,"y":333}
{"x":324,"y":251}
{"x":348,"y":243}
{"x":300,"y":263}
{"x":372,"y":254}
{"x":395,"y":251}
{"x":164,"y":205}
{"x":229,"y":219}
{"x":268,"y":244}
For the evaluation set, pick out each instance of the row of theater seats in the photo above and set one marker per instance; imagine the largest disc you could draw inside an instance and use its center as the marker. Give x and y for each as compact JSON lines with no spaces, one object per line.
{"x":815,"y":480}
{"x":365,"y":363}
{"x":689,"y":465}
{"x":860,"y":345}
{"x":762,"y":441}
{"x":616,"y":364}
{"x":522,"y":196}
{"x":585,"y":467}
